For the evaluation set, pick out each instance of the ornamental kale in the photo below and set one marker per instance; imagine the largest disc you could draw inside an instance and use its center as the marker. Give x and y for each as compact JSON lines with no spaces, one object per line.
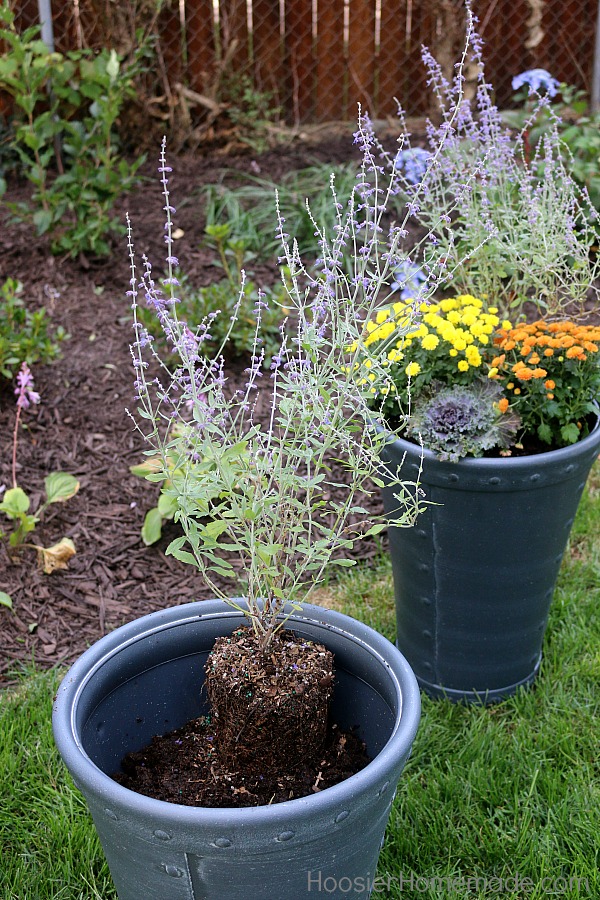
{"x":463,"y":420}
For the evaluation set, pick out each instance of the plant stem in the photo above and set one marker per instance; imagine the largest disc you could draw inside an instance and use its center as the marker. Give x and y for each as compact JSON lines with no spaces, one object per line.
{"x":14,"y":452}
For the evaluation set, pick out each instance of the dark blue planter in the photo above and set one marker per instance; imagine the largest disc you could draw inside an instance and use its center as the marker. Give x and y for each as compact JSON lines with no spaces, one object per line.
{"x":145,"y":679}
{"x":474,"y":578}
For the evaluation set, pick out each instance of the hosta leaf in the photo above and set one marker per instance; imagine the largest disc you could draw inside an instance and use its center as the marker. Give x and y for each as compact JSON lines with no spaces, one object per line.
{"x":57,"y":556}
{"x":153,"y":464}
{"x":152,"y":527}
{"x":14,"y":502}
{"x":167,"y":506}
{"x":60,"y":487}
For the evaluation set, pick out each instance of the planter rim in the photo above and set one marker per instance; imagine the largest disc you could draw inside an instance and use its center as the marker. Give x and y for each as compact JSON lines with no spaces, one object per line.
{"x":513,"y":464}
{"x":82,"y":671}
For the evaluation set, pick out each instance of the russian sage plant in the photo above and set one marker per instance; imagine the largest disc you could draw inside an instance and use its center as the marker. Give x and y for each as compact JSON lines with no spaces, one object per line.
{"x":521,"y":229}
{"x":253,"y":470}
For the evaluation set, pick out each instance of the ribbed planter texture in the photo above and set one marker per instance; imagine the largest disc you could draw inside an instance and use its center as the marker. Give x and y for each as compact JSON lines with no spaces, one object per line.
{"x":474,"y":578}
{"x":145,"y":679}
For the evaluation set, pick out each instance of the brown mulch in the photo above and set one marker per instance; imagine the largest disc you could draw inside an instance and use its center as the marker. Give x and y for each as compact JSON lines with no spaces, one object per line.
{"x":81,"y":425}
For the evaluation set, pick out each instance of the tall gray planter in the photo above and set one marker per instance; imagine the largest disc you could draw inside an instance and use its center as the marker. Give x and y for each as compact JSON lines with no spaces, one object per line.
{"x":474,"y":578}
{"x":145,"y":679}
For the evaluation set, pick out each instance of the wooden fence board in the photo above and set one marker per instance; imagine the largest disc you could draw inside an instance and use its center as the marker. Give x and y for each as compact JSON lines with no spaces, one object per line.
{"x":394,"y":61}
{"x":299,"y":61}
{"x":268,"y":48}
{"x":361,"y":56}
{"x":200,"y":43}
{"x":332,"y":83}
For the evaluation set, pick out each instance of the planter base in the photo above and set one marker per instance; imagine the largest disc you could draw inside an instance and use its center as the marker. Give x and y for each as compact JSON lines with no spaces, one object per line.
{"x":437,"y":692}
{"x":145,"y":678}
{"x":475,"y":577}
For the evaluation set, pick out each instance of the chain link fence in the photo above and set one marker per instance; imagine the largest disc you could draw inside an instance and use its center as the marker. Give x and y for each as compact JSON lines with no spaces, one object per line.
{"x":311,"y":61}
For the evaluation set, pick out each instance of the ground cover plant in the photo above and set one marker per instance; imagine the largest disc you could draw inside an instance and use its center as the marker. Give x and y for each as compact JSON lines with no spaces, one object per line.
{"x":504,"y":792}
{"x":249,"y":207}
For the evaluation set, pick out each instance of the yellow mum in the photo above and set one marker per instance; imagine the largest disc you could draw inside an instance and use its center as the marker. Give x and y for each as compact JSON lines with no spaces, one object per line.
{"x":463,"y":365}
{"x":430,"y":342}
{"x":473,"y":356}
{"x":412,"y":369}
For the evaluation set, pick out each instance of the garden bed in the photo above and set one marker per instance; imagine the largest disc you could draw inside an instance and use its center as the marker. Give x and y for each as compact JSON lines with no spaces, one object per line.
{"x":81,"y":425}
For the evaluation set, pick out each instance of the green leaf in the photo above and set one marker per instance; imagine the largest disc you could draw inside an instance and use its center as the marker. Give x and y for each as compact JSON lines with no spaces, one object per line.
{"x":376,"y":529}
{"x":570,"y":433}
{"x":167,"y":506}
{"x":5,"y":600}
{"x":214,"y":529}
{"x":545,"y":433}
{"x":152,"y":527}
{"x":223,"y":568}
{"x":344,"y":562}
{"x":26,"y":524}
{"x":60,"y":487}
{"x":184,"y":555}
{"x":15,"y":502}
{"x":112,"y":66}
{"x":42,"y":219}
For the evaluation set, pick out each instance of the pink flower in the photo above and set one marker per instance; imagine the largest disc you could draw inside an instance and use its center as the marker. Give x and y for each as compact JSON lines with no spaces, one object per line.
{"x":26,"y":396}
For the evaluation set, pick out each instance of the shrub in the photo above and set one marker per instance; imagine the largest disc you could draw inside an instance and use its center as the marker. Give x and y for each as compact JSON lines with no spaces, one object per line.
{"x":24,"y":335}
{"x":65,"y":111}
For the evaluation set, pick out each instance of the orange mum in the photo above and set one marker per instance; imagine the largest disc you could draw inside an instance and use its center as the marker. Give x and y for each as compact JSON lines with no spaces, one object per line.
{"x":525,"y":374}
{"x":503,"y":405}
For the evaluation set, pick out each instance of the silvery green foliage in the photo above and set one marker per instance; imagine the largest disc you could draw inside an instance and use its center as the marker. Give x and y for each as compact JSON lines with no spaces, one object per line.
{"x":462,"y":421}
{"x":522,"y":228}
{"x":250,"y":470}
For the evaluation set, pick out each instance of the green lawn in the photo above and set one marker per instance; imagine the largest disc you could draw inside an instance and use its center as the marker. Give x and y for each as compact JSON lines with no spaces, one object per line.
{"x":509,"y":793}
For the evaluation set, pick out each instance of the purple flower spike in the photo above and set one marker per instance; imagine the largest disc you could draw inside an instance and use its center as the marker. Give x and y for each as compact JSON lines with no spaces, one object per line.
{"x":26,"y":396}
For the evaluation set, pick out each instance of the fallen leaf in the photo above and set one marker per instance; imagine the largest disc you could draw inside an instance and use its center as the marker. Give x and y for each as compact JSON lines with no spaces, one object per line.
{"x":57,"y":556}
